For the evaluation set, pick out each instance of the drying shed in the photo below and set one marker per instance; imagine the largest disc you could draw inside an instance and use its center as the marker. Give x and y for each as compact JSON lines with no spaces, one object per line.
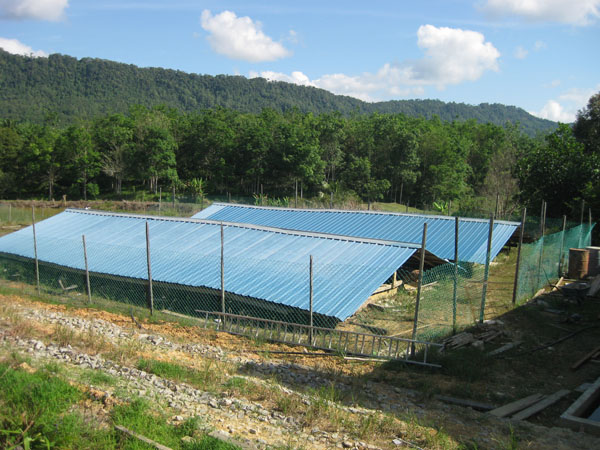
{"x":399,"y":227}
{"x":263,"y":266}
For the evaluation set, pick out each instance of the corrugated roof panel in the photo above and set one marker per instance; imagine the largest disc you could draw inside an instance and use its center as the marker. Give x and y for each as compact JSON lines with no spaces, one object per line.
{"x":263,"y":263}
{"x":473,"y":233}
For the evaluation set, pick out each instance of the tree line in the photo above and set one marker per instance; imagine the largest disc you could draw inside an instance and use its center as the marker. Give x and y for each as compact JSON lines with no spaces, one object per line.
{"x":391,"y":157}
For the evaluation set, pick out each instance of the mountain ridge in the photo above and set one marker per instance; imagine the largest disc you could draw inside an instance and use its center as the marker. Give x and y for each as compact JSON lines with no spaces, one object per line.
{"x":70,"y":88}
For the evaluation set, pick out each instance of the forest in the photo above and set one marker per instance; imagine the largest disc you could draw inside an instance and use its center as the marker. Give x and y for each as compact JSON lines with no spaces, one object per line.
{"x":88,"y":88}
{"x":392,"y":157}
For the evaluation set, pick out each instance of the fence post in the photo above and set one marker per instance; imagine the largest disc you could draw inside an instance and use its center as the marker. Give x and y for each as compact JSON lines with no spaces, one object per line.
{"x":449,"y":206}
{"x":296,"y":194}
{"x":37,"y":266}
{"x":521,"y":233}
{"x":401,"y":192}
{"x":87,"y":272}
{"x":159,"y":199}
{"x":261,"y":194}
{"x":581,"y":224}
{"x":310,"y":330}
{"x":486,"y":274}
{"x":407,"y":202}
{"x":562,"y":245}
{"x":543,"y":231}
{"x":419,"y":285}
{"x":173,"y":196}
{"x":456,"y":220}
{"x":222,"y":271}
{"x":590,"y":224}
{"x":150,"y":293}
{"x":331,"y":200}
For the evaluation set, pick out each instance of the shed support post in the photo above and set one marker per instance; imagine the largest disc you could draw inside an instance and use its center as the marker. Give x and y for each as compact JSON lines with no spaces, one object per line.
{"x":87,"y":272}
{"x":310,"y":330}
{"x":521,"y":233}
{"x":486,"y":273}
{"x":419,"y":286}
{"x":455,"y":292}
{"x":150,"y":293}
{"x":37,"y":265}
{"x":222,"y":271}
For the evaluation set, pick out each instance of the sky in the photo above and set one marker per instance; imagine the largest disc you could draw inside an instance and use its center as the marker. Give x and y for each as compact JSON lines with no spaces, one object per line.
{"x":540,"y":55}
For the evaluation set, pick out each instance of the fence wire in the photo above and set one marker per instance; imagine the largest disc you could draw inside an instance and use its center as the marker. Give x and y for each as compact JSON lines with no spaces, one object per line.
{"x":452,"y":294}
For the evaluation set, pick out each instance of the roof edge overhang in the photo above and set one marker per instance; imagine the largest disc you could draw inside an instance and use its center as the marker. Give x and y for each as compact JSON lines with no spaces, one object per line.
{"x":351,"y":211}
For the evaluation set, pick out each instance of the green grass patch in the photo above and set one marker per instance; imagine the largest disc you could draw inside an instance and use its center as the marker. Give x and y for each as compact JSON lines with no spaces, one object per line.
{"x":34,"y":412}
{"x":206,"y":379}
{"x":139,"y":417}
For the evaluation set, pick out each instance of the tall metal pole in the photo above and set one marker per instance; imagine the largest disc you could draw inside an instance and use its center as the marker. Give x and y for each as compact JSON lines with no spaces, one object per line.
{"x":37,"y":266}
{"x":542,"y":231}
{"x":222,"y":271}
{"x":87,"y":272}
{"x":296,"y":194}
{"x":581,"y":224}
{"x":486,"y":273}
{"x":419,"y":286}
{"x":454,"y":295}
{"x":150,"y":293}
{"x":310,"y":330}
{"x":521,"y":233}
{"x":562,"y":245}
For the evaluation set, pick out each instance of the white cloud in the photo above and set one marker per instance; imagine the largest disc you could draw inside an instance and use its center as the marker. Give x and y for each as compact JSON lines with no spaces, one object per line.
{"x":539,"y":45}
{"x":553,"y":110}
{"x":18,"y":48}
{"x":52,"y":10}
{"x":240,"y":38}
{"x":521,"y":53}
{"x":452,"y":56}
{"x":565,"y":108}
{"x":575,"y":12}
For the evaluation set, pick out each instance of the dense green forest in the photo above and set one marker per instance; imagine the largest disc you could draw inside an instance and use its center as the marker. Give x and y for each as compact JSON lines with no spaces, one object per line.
{"x":72,"y":89}
{"x":367,"y":157}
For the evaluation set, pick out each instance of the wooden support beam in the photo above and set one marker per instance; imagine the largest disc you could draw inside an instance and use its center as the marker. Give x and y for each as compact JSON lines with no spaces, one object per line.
{"x":516,"y":406}
{"x":539,"y":406}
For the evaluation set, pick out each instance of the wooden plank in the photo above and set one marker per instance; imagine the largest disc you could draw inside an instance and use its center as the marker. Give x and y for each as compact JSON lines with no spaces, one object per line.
{"x":142,"y":438}
{"x":467,"y":403}
{"x":516,"y":406}
{"x":585,"y":359}
{"x":539,"y":406}
{"x":505,"y":348}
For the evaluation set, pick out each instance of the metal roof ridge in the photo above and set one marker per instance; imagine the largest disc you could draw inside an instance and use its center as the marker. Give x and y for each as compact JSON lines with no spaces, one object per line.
{"x":318,"y":235}
{"x":352,"y":211}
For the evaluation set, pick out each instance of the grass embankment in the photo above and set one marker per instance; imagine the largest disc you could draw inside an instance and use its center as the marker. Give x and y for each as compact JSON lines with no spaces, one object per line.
{"x":39,"y":409}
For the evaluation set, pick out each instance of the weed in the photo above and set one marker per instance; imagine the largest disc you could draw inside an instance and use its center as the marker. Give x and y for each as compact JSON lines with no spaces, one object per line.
{"x":97,"y":377}
{"x":207,"y":378}
{"x":63,"y":335}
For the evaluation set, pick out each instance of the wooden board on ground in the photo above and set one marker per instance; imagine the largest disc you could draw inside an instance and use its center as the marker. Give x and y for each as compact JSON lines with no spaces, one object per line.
{"x":504,"y":348}
{"x":585,"y":359}
{"x":467,"y":403}
{"x":539,"y":406}
{"x":516,"y":406}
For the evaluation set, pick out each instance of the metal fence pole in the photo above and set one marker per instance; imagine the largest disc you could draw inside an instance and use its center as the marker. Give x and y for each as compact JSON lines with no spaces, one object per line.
{"x":419,"y":285}
{"x":543,"y":231}
{"x":222,"y":270}
{"x":449,"y":207}
{"x":296,"y":193}
{"x":261,"y":194}
{"x":310,"y":330}
{"x":562,"y":245}
{"x":521,"y":233}
{"x":87,"y":272}
{"x":159,"y":199}
{"x":486,"y":273}
{"x":150,"y":293}
{"x":37,"y":266}
{"x":454,"y":294}
{"x":581,"y":224}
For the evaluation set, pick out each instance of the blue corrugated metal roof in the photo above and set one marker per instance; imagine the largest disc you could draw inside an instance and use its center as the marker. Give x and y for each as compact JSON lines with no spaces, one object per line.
{"x":260,"y":262}
{"x":473,"y":233}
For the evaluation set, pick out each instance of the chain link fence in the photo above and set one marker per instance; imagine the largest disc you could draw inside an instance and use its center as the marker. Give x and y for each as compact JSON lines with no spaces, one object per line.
{"x":452,"y":295}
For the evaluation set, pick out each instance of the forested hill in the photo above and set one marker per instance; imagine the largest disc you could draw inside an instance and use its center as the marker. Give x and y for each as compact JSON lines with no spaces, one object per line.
{"x":31,"y":88}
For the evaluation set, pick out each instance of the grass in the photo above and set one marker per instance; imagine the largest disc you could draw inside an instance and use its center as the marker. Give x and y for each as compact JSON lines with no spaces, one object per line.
{"x":208,"y":379}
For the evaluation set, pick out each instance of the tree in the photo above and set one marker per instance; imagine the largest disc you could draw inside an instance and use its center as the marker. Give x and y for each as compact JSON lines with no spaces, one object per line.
{"x":587,"y":126}
{"x":113,"y":139}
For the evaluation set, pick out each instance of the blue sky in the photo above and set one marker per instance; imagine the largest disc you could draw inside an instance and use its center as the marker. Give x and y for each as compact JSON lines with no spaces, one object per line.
{"x":540,"y":55}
